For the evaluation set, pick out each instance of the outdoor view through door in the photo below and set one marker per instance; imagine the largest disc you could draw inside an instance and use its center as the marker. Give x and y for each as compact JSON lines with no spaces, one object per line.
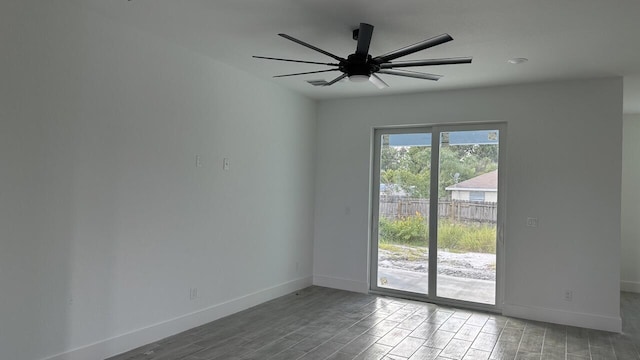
{"x":403,"y":228}
{"x":454,"y":252}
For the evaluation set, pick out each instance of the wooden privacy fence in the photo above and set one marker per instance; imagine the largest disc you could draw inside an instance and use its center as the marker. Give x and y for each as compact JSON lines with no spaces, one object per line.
{"x":456,"y":210}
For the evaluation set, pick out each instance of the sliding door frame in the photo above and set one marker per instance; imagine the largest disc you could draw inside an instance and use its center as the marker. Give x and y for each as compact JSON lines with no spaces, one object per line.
{"x":435,"y":131}
{"x":375,"y":211}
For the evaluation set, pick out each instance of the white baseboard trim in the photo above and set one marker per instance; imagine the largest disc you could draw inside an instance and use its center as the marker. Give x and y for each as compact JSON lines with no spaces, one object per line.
{"x":630,"y":286}
{"x":136,"y":338}
{"x":591,"y":321}
{"x":341,"y":284}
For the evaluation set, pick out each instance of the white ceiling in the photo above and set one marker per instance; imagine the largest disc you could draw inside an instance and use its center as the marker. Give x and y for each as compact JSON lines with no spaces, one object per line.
{"x":565,"y":39}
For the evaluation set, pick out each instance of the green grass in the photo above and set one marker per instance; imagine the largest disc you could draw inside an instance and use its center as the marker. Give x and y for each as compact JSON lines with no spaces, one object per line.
{"x":454,"y":237}
{"x":480,"y":238}
{"x":411,"y":230}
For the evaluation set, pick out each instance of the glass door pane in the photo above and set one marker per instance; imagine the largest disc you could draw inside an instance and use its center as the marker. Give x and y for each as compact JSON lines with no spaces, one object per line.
{"x":403,"y":212}
{"x":467,"y":215}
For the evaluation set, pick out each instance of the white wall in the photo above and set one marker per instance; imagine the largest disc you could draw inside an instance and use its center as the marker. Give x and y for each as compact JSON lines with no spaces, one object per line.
{"x":105,"y":221}
{"x":489,"y":196}
{"x":563,"y":167}
{"x":630,"y":272}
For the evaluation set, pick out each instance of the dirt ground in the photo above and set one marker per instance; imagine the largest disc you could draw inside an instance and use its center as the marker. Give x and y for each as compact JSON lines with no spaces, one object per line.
{"x":464,"y":265}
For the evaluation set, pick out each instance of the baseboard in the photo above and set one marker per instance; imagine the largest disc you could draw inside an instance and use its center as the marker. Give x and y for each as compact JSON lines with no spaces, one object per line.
{"x":136,"y":338}
{"x":591,"y":321}
{"x":341,"y":284}
{"x":630,"y":286}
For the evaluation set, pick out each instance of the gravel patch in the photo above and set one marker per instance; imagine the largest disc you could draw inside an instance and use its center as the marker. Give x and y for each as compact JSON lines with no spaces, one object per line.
{"x":466,"y":265}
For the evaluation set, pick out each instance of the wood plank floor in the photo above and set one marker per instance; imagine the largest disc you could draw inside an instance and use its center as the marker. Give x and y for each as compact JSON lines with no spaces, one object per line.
{"x":322,"y":323}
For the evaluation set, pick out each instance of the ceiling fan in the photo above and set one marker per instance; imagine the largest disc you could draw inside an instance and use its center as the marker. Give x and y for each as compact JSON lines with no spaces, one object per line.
{"x":361,"y":66}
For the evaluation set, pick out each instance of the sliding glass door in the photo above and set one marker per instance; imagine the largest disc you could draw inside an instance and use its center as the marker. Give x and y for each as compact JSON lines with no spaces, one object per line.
{"x":467,"y":215}
{"x":436,"y":211}
{"x":402,"y":189}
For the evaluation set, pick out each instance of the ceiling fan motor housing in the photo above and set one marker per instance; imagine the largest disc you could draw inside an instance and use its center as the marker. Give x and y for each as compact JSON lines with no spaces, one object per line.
{"x":358,"y":65}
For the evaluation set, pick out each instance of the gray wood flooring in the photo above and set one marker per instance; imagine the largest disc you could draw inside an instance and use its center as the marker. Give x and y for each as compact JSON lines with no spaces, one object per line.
{"x":321,"y":323}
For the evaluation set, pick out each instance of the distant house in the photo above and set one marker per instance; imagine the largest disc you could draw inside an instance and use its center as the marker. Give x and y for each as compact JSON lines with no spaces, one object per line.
{"x":480,"y":188}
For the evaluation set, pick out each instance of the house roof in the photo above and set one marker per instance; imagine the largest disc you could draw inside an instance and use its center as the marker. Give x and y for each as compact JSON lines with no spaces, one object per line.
{"x":484,"y":182}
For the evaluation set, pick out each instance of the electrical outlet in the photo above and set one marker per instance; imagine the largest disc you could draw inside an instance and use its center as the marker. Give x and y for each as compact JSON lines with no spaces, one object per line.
{"x":532,"y":222}
{"x":193,"y":293}
{"x":568,"y":295}
{"x":225,"y":164}
{"x":198,"y":161}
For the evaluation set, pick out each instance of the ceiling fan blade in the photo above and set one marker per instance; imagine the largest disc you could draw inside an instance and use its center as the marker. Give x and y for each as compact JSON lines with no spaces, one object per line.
{"x":311,"y":47}
{"x":364,"y":39}
{"x":297,"y":61}
{"x":411,"y":74}
{"x":379,"y":83}
{"x":305,"y":73}
{"x":425,"y":44}
{"x":336,"y":80}
{"x":449,"y":61}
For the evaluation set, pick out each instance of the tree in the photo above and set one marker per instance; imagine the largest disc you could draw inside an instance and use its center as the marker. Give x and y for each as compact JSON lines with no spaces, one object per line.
{"x":409,"y":168}
{"x":390,"y":157}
